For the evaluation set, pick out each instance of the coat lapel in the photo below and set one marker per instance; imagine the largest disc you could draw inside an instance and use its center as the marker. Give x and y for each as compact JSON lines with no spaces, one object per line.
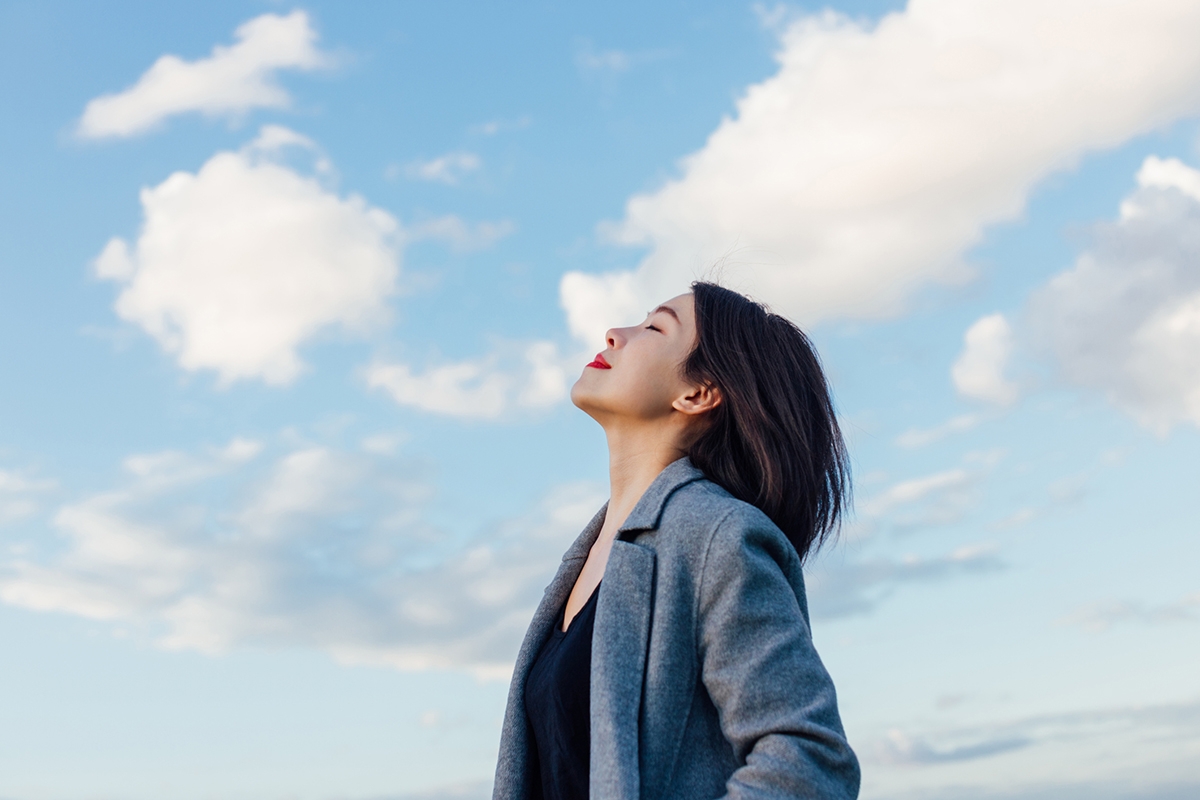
{"x":621,"y":639}
{"x":619,"y":646}
{"x":513,"y":774}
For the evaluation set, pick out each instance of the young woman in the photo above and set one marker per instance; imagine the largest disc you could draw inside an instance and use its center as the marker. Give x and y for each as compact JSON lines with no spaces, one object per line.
{"x":671,"y":656}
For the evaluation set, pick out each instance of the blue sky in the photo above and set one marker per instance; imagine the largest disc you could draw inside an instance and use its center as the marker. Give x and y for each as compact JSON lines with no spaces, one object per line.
{"x":290,"y":297}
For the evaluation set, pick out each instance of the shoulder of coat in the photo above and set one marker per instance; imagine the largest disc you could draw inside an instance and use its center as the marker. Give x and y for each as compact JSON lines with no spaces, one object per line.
{"x":695,"y":513}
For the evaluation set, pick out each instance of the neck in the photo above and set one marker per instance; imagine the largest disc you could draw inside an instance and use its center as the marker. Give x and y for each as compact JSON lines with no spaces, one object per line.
{"x":634,"y":460}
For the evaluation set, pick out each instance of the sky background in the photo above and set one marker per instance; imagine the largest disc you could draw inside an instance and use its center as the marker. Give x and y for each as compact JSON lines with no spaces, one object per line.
{"x":291,"y":298}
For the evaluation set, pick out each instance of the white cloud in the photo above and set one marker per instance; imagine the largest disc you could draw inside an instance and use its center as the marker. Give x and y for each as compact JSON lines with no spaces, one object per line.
{"x":919,"y":437}
{"x":494,"y":126}
{"x":461,"y":236}
{"x":449,"y":168}
{"x":383,"y":444}
{"x":239,"y":263}
{"x":13,"y":482}
{"x":876,"y":156}
{"x":528,"y":376}
{"x":1114,"y":753}
{"x":19,"y":494}
{"x":916,"y":504}
{"x":462,"y":389}
{"x":842,"y":586}
{"x":608,"y":63}
{"x":916,"y":489}
{"x":978,"y":372}
{"x":1100,"y":617}
{"x":841,"y":589}
{"x":470,"y":790}
{"x":903,"y":748}
{"x":1125,"y":319}
{"x":587,"y":57}
{"x":231,"y":81}
{"x":321,"y":549}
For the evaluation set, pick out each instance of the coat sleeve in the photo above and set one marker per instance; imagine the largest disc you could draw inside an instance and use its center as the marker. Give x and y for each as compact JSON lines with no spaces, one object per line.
{"x":775,"y":701}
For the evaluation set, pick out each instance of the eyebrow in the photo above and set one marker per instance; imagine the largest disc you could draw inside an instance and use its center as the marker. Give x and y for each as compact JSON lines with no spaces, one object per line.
{"x":668,"y":310}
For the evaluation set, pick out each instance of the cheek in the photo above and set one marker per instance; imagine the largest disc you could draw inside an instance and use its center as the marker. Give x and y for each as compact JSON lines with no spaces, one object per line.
{"x":649,"y":389}
{"x":634,"y":390}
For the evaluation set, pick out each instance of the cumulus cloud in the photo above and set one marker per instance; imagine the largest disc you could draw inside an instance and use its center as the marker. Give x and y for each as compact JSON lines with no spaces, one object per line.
{"x":239,"y":263}
{"x":231,"y":81}
{"x":876,"y":156}
{"x":979,"y":371}
{"x":310,"y":548}
{"x":1125,"y":319}
{"x":526,"y":376}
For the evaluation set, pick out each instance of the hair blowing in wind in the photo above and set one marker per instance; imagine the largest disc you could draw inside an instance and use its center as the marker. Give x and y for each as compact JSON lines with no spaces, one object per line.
{"x":774,"y":440}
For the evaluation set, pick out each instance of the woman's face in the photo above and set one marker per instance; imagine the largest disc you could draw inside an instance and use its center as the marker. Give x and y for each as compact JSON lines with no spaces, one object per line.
{"x":638,"y":376}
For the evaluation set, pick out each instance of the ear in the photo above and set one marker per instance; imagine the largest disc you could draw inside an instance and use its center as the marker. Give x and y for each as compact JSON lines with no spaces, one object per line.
{"x":699,"y":400}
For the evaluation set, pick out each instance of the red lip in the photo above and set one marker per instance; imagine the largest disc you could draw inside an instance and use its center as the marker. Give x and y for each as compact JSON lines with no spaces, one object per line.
{"x":599,"y":363}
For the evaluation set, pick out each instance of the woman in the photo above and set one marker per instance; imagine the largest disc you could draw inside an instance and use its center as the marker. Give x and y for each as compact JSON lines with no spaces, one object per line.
{"x":671,"y":655}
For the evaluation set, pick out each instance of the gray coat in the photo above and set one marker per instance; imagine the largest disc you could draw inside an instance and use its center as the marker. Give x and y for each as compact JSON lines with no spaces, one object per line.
{"x":704,"y":680}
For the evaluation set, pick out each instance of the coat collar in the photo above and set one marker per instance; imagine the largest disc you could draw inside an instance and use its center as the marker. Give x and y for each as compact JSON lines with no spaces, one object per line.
{"x":583,"y":543}
{"x":648,"y":511}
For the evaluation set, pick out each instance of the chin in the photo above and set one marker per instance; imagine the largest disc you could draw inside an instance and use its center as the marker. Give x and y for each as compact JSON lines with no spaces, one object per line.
{"x":584,"y":397}
{"x":578,"y":394}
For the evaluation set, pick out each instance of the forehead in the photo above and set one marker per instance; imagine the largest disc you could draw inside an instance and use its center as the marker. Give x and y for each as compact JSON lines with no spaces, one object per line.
{"x":681,"y":305}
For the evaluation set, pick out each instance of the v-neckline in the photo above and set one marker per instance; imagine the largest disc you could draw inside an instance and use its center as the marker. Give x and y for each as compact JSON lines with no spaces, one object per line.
{"x":582,"y":608}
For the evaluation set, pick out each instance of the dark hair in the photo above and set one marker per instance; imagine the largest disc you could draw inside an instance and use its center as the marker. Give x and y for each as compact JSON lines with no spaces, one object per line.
{"x":774,"y":440}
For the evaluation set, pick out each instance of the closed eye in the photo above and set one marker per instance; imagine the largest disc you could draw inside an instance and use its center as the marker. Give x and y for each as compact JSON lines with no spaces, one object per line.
{"x":652,"y":328}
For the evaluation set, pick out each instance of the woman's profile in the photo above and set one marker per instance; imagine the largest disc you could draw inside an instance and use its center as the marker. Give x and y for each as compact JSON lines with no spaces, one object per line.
{"x":671,"y":656}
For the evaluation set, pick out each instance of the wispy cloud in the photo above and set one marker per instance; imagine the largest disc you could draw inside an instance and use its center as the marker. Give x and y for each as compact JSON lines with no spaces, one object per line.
{"x":460,"y":235}
{"x":449,"y":169}
{"x":473,"y":790}
{"x":610,"y":62}
{"x":905,"y":748}
{"x":1099,"y":617}
{"x":920,"y":437}
{"x":1120,"y":727}
{"x":20,"y":494}
{"x":916,"y":489}
{"x":848,"y":588}
{"x":589,"y":58}
{"x":514,"y":376}
{"x":495,"y":126}
{"x":231,"y":81}
{"x":310,"y":547}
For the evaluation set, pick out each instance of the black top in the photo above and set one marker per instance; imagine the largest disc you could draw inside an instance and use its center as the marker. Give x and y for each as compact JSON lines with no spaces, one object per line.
{"x":558,"y":703}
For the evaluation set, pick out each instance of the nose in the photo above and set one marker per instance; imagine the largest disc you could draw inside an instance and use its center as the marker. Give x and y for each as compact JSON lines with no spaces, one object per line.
{"x":614,"y":338}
